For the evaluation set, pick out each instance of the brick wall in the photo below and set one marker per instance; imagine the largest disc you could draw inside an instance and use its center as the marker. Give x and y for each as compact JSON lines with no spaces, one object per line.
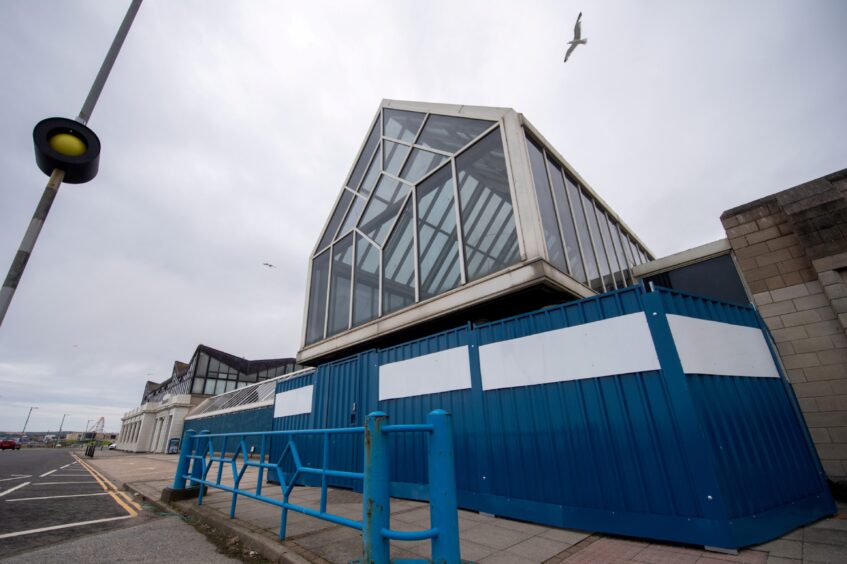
{"x":791,"y":249}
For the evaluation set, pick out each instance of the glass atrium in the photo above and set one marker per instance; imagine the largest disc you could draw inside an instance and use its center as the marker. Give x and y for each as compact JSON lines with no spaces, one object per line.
{"x":442,"y":198}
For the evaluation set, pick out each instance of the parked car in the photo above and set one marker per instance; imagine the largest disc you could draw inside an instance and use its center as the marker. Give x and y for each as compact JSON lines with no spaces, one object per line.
{"x":10,"y":444}
{"x":113,"y":446}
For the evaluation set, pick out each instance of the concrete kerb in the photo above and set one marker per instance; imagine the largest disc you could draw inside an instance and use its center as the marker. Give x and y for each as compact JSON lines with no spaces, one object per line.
{"x":251,"y":539}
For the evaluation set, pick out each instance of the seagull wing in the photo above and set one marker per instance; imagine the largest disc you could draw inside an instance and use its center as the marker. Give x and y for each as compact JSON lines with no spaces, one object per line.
{"x":570,"y":50}
{"x":577,"y":29}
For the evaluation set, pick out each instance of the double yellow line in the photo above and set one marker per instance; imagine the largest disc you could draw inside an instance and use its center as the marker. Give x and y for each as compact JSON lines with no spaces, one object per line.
{"x":121,"y":498}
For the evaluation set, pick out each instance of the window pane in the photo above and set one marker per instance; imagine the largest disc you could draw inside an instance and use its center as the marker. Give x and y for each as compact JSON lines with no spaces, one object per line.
{"x":398,"y":282}
{"x":372,"y":176}
{"x":450,"y":134}
{"x":335,"y":220}
{"x":382,"y":209}
{"x":395,"y":155}
{"x":617,"y":269}
{"x":203,"y":365}
{"x":402,"y":125}
{"x":365,"y":157}
{"x":567,"y":221}
{"x":437,"y":242}
{"x":634,"y":250}
{"x":491,"y":239}
{"x":317,"y":298}
{"x":220,"y":387}
{"x":248,"y":377}
{"x":552,"y":238}
{"x":198,"y":386}
{"x":575,"y":200}
{"x":620,"y":252}
{"x":366,"y":285}
{"x":420,"y":162}
{"x":602,"y":261}
{"x":339,"y":288}
{"x":230,"y":386}
{"x":214,"y":365}
{"x":352,"y":216}
{"x":209,"y":389}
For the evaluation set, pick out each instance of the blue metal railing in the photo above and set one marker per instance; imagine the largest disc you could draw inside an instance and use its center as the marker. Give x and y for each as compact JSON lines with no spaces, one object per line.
{"x":198,"y":456}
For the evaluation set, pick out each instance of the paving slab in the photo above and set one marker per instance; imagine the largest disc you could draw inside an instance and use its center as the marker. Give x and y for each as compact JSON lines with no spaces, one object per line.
{"x":484,"y":538}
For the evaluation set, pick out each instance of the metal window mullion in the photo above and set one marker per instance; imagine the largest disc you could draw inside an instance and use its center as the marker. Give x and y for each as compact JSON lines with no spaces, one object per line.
{"x":426,"y":176}
{"x":473,"y":141}
{"x":397,"y":178}
{"x":396,"y":219}
{"x":510,"y":181}
{"x":416,"y":264}
{"x":421,"y":127}
{"x":460,"y":238}
{"x":575,"y":225}
{"x":555,"y":209}
{"x":626,"y":256}
{"x":328,"y":289}
{"x":352,"y":281}
{"x":377,"y":149}
{"x":380,"y":276}
{"x":432,"y":150}
{"x":582,"y":198}
{"x":597,"y":212}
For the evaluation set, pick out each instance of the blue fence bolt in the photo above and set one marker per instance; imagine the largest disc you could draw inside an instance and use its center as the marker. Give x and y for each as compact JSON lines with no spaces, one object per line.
{"x":376,"y":509}
{"x":184,"y":462}
{"x":443,"y":508}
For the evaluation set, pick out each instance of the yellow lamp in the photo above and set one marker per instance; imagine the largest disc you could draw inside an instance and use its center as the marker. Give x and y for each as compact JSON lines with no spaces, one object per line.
{"x":67,"y":144}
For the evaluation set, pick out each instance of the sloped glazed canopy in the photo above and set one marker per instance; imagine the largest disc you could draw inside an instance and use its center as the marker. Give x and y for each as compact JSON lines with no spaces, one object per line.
{"x":426,"y":208}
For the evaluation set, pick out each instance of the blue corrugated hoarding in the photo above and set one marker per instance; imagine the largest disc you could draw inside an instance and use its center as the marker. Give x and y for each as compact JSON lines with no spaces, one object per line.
{"x":651,"y":414}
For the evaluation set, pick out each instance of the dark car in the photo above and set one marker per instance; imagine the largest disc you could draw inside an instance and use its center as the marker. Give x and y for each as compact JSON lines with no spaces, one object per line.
{"x":10,"y":444}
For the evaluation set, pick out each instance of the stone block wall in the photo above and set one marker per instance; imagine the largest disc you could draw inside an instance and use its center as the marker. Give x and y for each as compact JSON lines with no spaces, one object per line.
{"x":791,"y":250}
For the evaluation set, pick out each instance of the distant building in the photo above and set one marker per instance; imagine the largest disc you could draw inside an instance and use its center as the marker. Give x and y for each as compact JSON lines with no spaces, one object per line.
{"x":160,"y":417}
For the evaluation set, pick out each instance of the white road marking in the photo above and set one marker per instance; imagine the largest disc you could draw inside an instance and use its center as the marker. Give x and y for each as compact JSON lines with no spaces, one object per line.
{"x":21,"y":475}
{"x":47,"y":473}
{"x":10,"y":490}
{"x":67,"y":525}
{"x":56,"y":483}
{"x":65,"y":466}
{"x":15,"y":478}
{"x":56,"y":496}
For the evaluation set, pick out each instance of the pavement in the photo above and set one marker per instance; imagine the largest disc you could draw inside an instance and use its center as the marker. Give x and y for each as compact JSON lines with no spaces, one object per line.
{"x":484,"y":539}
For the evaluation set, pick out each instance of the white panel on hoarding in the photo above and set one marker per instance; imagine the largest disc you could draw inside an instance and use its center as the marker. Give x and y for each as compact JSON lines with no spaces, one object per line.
{"x":721,"y":349}
{"x":618,"y":345}
{"x":294,"y":402}
{"x":443,"y":371}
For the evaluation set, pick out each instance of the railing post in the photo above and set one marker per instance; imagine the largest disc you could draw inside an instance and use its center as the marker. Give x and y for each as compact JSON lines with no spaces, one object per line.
{"x":184,"y":462}
{"x":197,"y":469}
{"x":376,"y":509}
{"x":443,"y":508}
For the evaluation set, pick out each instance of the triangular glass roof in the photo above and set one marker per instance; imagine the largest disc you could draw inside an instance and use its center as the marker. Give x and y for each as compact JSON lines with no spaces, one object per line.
{"x":426,"y":208}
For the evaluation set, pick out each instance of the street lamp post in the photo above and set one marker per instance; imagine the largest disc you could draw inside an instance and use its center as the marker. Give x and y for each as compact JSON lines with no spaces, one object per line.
{"x":27,"y":419}
{"x":59,"y":434}
{"x":65,"y":150}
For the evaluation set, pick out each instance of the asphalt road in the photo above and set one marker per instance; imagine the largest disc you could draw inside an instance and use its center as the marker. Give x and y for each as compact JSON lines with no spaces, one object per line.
{"x":49,"y":497}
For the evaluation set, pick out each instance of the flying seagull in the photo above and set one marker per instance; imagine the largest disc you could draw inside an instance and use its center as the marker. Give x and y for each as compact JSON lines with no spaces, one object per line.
{"x":577,"y":37}
{"x":269,"y":265}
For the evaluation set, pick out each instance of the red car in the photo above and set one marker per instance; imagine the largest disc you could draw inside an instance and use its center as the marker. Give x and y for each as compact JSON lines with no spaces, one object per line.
{"x":10,"y":444}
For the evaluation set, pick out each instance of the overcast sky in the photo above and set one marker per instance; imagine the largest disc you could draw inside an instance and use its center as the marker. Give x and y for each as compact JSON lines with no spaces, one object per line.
{"x":229,"y":126}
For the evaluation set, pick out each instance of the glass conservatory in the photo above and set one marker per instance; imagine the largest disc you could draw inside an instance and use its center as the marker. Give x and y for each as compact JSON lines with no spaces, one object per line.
{"x":448,"y":207}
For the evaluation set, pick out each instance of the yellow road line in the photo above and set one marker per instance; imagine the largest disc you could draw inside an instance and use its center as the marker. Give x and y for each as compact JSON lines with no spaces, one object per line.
{"x":113,"y":492}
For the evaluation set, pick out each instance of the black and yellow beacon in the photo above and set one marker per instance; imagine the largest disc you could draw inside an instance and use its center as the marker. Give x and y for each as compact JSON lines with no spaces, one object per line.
{"x":69,"y":146}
